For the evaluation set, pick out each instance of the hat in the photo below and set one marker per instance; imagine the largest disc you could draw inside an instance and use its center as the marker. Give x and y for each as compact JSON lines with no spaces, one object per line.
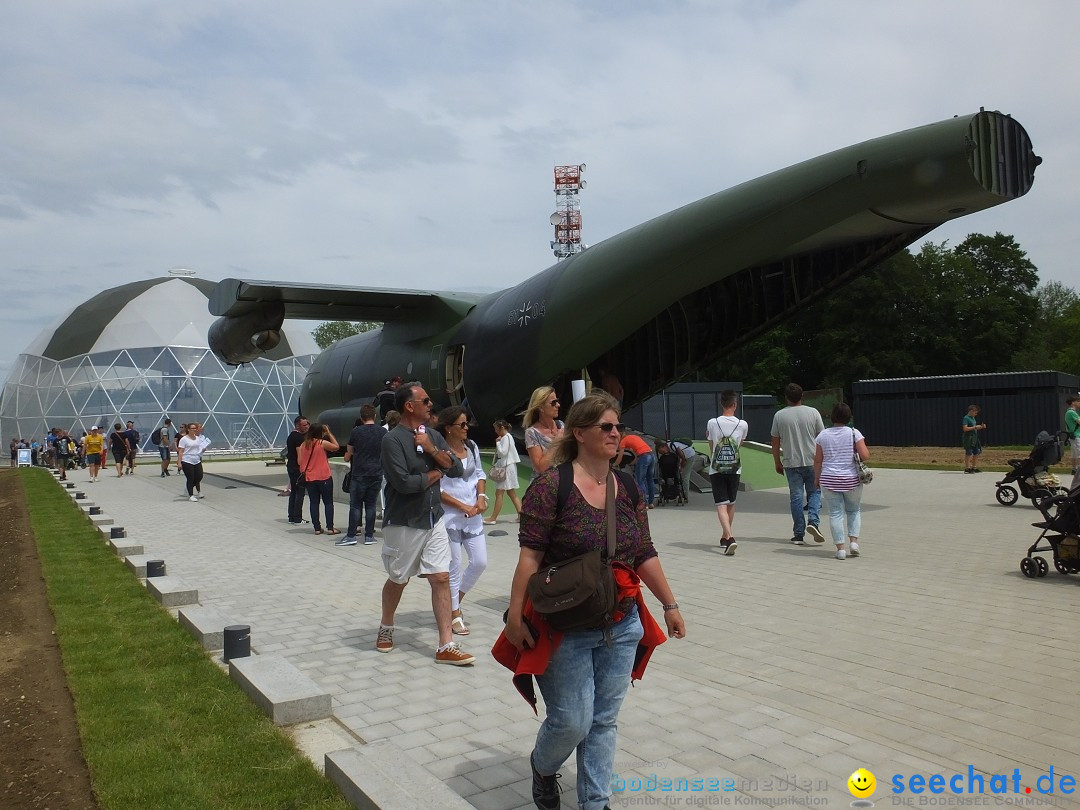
{"x":95,"y":427}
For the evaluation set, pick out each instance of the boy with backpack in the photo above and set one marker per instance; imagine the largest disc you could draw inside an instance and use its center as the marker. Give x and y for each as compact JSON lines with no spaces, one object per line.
{"x":726,"y":434}
{"x":162,"y":440}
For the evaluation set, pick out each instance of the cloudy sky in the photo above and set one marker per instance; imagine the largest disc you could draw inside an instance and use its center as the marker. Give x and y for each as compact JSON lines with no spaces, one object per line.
{"x":412,"y":143}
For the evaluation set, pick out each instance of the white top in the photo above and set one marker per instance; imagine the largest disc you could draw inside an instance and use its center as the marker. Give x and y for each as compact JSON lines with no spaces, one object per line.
{"x":464,"y":490}
{"x":506,"y":450}
{"x":838,"y":471}
{"x":193,"y":448}
{"x":721,"y":426}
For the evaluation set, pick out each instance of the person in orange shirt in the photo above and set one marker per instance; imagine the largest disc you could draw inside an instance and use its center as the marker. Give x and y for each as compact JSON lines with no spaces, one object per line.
{"x":644,"y":465}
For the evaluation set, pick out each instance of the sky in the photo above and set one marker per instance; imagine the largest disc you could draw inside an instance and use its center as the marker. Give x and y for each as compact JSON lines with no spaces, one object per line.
{"x":411,"y":144}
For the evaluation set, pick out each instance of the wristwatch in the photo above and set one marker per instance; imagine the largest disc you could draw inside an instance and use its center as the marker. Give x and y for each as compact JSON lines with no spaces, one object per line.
{"x":672,"y":606}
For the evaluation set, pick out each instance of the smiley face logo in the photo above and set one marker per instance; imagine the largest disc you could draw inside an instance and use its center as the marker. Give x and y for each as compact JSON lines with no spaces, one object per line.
{"x":861,"y":784}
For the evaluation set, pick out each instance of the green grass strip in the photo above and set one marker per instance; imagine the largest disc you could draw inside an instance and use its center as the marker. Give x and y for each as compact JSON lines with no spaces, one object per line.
{"x":162,"y":726}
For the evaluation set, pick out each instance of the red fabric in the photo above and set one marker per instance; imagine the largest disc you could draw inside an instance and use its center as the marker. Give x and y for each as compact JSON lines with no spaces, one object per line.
{"x":534,"y":660}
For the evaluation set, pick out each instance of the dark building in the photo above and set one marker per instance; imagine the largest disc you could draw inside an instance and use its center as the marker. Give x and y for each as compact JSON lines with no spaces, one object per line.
{"x":927,"y":411}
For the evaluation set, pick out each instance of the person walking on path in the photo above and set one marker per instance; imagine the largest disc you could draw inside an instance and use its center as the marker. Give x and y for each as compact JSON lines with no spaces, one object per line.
{"x":93,"y":450}
{"x":464,"y":500}
{"x":414,"y":461}
{"x":315,"y":467}
{"x":118,"y":446}
{"x":794,"y":429}
{"x":362,"y":452}
{"x":1072,"y":431}
{"x":189,"y":452}
{"x":297,"y":491}
{"x":726,"y":433}
{"x":162,"y":438}
{"x":972,"y":441}
{"x":542,"y":426}
{"x":584,"y":674}
{"x":506,"y":459}
{"x":838,"y":477}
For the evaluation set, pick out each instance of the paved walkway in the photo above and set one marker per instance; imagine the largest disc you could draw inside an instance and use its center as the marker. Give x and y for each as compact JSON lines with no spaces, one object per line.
{"x":928,"y":654}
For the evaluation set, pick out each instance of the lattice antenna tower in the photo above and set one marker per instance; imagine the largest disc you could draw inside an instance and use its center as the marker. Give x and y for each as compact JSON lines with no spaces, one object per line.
{"x":567,"y":216}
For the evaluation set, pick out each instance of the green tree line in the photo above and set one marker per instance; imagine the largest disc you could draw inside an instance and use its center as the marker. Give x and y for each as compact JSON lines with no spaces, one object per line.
{"x":974,"y":308}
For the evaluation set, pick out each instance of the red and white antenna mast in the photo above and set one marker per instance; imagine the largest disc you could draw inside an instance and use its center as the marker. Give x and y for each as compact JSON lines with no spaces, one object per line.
{"x":567,"y":216}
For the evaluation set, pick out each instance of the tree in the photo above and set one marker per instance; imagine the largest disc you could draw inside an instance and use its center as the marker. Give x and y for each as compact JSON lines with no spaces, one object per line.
{"x":333,"y":331}
{"x":1054,"y":333}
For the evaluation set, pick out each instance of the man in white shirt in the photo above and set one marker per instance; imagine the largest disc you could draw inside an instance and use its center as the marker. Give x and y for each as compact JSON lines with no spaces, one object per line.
{"x":795,"y":429}
{"x":726,"y":434}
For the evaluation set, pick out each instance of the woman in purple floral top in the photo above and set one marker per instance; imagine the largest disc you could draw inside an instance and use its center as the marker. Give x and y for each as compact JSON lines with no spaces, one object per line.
{"x":588,"y":673}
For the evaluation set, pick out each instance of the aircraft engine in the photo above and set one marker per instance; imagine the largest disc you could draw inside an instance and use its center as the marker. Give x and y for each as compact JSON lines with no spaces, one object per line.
{"x":239,"y":339}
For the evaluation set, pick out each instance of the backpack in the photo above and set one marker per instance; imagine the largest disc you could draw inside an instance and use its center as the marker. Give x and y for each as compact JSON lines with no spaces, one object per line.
{"x":155,"y":438}
{"x":726,"y":458}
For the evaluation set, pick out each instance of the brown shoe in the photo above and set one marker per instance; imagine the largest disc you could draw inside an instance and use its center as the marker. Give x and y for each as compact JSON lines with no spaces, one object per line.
{"x":385,"y":641}
{"x":454,"y":655}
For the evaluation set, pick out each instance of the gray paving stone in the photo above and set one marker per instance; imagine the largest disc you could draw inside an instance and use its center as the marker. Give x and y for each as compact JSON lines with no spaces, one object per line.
{"x":172,"y":591}
{"x":929,"y":652}
{"x":280,"y":689}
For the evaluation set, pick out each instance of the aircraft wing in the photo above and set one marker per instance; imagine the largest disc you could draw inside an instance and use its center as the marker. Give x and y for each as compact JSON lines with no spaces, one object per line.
{"x":323,"y":302}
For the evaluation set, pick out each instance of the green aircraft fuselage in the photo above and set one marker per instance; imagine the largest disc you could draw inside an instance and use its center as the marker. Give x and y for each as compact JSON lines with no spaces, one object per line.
{"x":655,"y":302}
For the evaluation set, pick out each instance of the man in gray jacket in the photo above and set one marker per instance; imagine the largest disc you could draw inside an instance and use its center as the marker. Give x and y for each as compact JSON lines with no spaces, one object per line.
{"x":415,"y":542}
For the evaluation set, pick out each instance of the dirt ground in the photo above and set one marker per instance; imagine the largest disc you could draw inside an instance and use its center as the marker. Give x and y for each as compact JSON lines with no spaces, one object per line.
{"x":952,"y":456}
{"x":41,"y":761}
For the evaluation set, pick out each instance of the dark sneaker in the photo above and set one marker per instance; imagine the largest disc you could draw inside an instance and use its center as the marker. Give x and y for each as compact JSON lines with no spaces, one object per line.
{"x":385,"y":640}
{"x":455,"y":656}
{"x":545,"y":789}
{"x":815,"y":532}
{"x":347,"y":540}
{"x":370,"y":541}
{"x":797,"y":541}
{"x":728,"y":546}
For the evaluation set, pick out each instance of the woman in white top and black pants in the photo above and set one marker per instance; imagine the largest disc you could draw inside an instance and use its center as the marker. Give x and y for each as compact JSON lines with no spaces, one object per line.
{"x":837,"y":476}
{"x":189,"y":452}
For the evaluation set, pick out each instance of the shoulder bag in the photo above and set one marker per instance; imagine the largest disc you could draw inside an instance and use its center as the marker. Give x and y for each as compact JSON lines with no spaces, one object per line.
{"x":301,"y":479}
{"x":579,"y":593}
{"x":866,"y":475}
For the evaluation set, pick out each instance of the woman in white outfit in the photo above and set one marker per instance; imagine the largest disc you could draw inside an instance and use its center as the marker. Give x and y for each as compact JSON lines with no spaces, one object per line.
{"x":837,"y":476}
{"x":189,"y":453}
{"x":506,"y":458}
{"x":464,"y":503}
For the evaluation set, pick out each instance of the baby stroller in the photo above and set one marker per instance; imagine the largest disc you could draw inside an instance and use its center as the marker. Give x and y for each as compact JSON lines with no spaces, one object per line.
{"x":1031,"y":475}
{"x":1061,"y":531}
{"x":670,"y":482}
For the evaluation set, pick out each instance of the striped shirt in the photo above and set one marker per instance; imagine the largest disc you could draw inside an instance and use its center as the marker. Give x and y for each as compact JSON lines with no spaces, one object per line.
{"x":838,"y":472}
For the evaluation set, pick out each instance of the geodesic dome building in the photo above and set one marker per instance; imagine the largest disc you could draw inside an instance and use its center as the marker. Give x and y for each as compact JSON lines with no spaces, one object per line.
{"x":139,"y":352}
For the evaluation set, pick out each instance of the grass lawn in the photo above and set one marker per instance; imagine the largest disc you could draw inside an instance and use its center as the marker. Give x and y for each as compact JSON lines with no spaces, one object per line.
{"x":161,"y":725}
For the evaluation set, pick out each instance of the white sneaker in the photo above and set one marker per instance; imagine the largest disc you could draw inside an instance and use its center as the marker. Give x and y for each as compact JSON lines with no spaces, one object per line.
{"x":854,"y":549}
{"x":841,"y":555}
{"x":193,"y":498}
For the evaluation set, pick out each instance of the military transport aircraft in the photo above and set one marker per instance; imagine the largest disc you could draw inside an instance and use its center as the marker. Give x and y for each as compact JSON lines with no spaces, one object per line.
{"x":653,"y":303}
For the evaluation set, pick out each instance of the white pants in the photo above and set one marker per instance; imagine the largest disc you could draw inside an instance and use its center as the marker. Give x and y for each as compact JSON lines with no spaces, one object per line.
{"x":476,"y":547}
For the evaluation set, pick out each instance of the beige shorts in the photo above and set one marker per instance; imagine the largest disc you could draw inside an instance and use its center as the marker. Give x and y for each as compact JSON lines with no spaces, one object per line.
{"x":408,"y":552}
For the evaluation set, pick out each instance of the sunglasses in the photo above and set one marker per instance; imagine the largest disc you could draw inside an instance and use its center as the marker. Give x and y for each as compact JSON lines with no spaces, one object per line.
{"x":607,"y":427}
{"x":462,"y":425}
{"x":554,"y":402}
{"x":424,"y":401}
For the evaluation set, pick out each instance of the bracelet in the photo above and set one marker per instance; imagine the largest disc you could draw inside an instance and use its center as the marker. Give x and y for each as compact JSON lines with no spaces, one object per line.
{"x":672,"y":606}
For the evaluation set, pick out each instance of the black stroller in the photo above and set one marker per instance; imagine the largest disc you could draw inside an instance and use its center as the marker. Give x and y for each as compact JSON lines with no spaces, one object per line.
{"x":1061,"y":531}
{"x":670,"y":483}
{"x":1031,"y":475}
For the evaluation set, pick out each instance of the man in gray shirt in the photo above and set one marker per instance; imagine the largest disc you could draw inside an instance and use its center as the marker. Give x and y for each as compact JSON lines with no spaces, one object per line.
{"x":795,"y":428}
{"x":415,"y":542}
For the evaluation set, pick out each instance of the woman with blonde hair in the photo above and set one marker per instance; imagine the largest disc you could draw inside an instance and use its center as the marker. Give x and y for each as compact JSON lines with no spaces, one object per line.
{"x":315,"y":467}
{"x":542,"y":426}
{"x":587,"y":672}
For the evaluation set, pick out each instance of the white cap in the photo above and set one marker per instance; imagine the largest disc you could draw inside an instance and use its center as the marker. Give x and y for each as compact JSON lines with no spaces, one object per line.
{"x":95,"y":427}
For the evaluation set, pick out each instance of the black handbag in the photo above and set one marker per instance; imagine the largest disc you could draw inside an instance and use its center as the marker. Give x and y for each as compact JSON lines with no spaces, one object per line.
{"x":346,"y":482}
{"x":579,"y":593}
{"x":301,"y":479}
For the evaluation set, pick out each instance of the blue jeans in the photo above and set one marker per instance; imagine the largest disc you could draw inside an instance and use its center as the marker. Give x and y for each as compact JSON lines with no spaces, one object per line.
{"x":841,"y":505}
{"x":363,"y":493}
{"x":324,"y":491}
{"x":583,"y":688}
{"x":645,"y":475}
{"x":799,"y":479}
